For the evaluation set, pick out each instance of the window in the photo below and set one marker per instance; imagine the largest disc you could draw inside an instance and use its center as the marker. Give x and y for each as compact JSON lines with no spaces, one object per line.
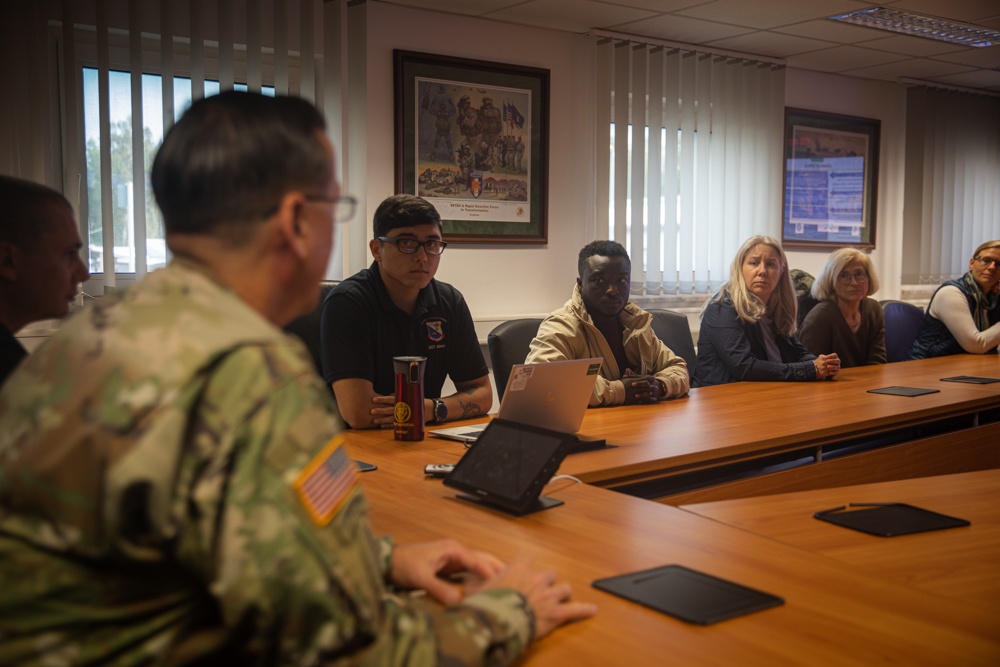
{"x":127,"y":221}
{"x":127,"y":72}
{"x":951,"y":201}
{"x":667,"y":229}
{"x":716,"y":184}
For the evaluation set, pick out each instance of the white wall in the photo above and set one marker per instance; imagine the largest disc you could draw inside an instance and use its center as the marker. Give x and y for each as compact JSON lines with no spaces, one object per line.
{"x":508,"y":281}
{"x":504,"y":282}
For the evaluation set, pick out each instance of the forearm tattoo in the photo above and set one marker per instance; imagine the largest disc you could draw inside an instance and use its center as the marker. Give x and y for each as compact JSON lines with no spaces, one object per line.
{"x":469,"y":409}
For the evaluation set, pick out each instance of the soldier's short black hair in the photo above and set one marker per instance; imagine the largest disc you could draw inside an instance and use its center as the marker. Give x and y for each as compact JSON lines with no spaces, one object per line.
{"x":230,"y":159}
{"x":403,"y":211}
{"x":602,"y":249}
{"x":26,"y":210}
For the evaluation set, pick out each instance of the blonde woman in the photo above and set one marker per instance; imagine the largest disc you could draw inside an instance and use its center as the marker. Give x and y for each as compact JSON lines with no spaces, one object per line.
{"x":748,"y":328}
{"x":846,"y":320}
{"x":964,"y":314}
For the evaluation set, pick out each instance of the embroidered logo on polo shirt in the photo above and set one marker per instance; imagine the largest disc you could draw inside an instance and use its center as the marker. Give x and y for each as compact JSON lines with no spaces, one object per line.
{"x":435,"y":330}
{"x":326,"y":482}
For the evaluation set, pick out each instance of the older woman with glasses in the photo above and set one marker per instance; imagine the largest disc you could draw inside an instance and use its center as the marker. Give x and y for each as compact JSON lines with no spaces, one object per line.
{"x":846,"y":320}
{"x":964,"y":314}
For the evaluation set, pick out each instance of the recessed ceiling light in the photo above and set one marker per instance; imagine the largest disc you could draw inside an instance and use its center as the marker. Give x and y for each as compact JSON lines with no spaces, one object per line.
{"x":931,"y":27}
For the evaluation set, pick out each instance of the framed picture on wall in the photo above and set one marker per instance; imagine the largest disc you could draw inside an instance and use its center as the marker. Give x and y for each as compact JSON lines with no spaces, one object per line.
{"x":472,"y":138}
{"x":831,"y":178}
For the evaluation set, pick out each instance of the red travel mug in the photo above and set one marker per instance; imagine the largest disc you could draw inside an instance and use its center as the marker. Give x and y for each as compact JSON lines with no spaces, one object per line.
{"x":408,"y":413}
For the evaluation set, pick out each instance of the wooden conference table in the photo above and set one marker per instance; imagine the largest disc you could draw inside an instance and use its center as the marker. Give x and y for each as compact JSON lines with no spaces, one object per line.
{"x":753,"y":438}
{"x":961,"y":563}
{"x":833,"y":613}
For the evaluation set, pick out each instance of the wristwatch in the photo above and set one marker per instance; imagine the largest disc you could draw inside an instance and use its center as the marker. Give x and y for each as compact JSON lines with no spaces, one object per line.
{"x":440,"y":410}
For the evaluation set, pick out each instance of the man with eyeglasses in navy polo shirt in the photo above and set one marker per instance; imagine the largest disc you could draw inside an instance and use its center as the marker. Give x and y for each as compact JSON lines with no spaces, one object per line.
{"x":394,"y":308}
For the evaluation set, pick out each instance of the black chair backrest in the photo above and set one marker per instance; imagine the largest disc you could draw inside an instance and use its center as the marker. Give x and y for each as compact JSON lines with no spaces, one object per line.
{"x":675,"y":332}
{"x":902,"y":322}
{"x":307,"y":326}
{"x":508,"y":344}
{"x":804,"y":304}
{"x":802,"y":282}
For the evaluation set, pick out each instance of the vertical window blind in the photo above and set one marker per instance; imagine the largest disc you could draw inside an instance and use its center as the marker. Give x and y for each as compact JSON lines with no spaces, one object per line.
{"x":952,"y":186}
{"x":131,"y":69}
{"x":689,"y":159}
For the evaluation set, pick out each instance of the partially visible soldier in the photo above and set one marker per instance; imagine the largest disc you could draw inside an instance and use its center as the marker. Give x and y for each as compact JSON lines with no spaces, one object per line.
{"x":490,"y":122}
{"x":468,"y":121}
{"x":40,"y":263}
{"x":173,"y":488}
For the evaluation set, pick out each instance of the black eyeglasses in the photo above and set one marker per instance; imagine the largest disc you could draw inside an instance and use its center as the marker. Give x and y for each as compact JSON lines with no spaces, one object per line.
{"x":859,"y":276}
{"x":988,"y":261}
{"x":344,"y":206}
{"x":409,"y":246}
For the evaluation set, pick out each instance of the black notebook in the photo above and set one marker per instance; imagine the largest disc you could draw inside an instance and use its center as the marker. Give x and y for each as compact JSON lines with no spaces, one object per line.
{"x":903,"y":391}
{"x":971,"y":379}
{"x":687,"y":594}
{"x":889,"y":519}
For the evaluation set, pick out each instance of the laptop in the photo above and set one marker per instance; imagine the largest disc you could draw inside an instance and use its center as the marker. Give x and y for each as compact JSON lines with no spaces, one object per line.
{"x":552,"y":395}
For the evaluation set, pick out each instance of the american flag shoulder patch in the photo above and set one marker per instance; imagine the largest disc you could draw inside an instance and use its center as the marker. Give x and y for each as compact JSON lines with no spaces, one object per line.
{"x":326,"y":482}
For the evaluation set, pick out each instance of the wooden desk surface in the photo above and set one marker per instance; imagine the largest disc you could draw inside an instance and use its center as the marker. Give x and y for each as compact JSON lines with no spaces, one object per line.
{"x":733,"y":421}
{"x":961,"y":563}
{"x":737,"y":422}
{"x":833,"y":613}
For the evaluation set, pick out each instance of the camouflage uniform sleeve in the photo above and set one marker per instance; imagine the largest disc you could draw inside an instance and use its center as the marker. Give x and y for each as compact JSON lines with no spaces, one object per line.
{"x":386,"y":546}
{"x":303,"y":591}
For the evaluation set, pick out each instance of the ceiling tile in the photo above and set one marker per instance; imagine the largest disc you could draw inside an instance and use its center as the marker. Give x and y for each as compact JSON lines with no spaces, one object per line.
{"x":959,"y":10}
{"x":569,"y":15}
{"x":661,"y":6}
{"x":983,"y":57}
{"x":681,"y":29}
{"x":796,"y":30}
{"x":841,"y":58}
{"x":770,"y":13}
{"x":982,"y":78}
{"x":770,"y":44}
{"x":470,"y":7}
{"x":831,"y":31}
{"x":912,"y":46}
{"x":916,"y":68}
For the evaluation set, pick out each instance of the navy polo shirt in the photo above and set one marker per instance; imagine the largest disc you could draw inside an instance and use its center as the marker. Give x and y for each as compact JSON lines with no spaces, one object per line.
{"x":361,"y":330}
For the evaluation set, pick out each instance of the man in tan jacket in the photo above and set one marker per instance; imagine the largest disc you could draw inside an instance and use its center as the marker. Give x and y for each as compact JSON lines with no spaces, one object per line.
{"x":600,"y":321}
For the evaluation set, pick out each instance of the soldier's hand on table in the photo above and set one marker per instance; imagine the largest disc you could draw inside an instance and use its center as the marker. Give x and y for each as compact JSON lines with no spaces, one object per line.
{"x":423,"y":565}
{"x":549,"y":600}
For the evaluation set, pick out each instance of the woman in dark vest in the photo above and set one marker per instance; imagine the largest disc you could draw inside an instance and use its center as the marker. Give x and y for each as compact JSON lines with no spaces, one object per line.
{"x":964,"y":314}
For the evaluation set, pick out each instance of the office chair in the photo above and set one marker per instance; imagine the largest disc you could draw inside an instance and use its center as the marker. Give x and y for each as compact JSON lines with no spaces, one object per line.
{"x":307,"y":326}
{"x":902,"y":322}
{"x":675,"y":332}
{"x":805,"y":301}
{"x":508,"y":344}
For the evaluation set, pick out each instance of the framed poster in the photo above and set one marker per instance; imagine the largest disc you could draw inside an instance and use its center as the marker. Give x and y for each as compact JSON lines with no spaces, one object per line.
{"x":830,"y":183}
{"x":472,"y":138}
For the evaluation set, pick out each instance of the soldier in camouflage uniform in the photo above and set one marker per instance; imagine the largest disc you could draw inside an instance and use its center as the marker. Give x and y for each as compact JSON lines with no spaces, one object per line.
{"x":173,"y":488}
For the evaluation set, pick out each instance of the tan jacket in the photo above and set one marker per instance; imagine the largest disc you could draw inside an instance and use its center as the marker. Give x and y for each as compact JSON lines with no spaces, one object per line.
{"x":569,"y":333}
